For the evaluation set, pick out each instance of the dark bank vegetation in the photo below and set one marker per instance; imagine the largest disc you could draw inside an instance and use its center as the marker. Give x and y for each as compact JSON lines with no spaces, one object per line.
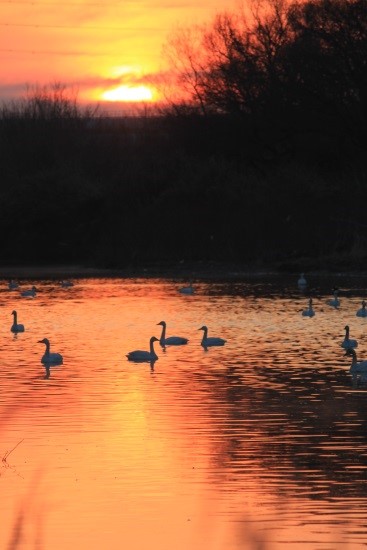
{"x":263,"y":162}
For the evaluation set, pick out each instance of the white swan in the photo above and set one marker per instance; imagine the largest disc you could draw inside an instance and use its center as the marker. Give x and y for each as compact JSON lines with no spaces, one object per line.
{"x":302,"y":281}
{"x":172,"y":340}
{"x":187,"y":289}
{"x":49,"y":358}
{"x":30,"y":292}
{"x":139,"y":355}
{"x":358,"y":369}
{"x":348,"y":343}
{"x":362,"y":312}
{"x":308,"y":312}
{"x":15,"y":326}
{"x":212,"y":341}
{"x":334,"y":302}
{"x":13,"y":285}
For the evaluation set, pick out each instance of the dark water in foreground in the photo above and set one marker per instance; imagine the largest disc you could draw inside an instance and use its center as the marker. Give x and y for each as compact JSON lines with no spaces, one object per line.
{"x":261,"y":443}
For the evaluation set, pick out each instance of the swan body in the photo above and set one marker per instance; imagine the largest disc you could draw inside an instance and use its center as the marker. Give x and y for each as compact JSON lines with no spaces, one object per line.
{"x":16,"y":327}
{"x":309,"y":312}
{"x":66,"y":284}
{"x":49,"y":358}
{"x":187,"y":289}
{"x":139,"y":355}
{"x":334,"y":302}
{"x":210,"y":341}
{"x":362,"y":312}
{"x":30,"y":292}
{"x":13,"y":285}
{"x":302,"y":281}
{"x":358,"y":369}
{"x":348,"y":343}
{"x":171,"y":340}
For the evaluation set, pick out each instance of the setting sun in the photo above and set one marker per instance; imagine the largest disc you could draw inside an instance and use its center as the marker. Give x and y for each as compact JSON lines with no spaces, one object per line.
{"x":128,"y":93}
{"x":108,"y":51}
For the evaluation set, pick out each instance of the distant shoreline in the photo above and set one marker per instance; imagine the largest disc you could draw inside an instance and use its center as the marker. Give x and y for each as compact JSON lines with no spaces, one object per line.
{"x":183,"y":271}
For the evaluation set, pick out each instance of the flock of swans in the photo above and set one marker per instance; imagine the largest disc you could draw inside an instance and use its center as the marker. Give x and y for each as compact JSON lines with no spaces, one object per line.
{"x":358,"y":369}
{"x":150,"y":355}
{"x":142,"y":355}
{"x":48,"y":358}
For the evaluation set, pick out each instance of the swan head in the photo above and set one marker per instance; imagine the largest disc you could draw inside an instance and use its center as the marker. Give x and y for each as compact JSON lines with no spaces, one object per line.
{"x":349,"y":351}
{"x":13,"y":312}
{"x":163,"y":323}
{"x":346,"y":327}
{"x":153,"y":339}
{"x":203,"y":328}
{"x":44,"y":341}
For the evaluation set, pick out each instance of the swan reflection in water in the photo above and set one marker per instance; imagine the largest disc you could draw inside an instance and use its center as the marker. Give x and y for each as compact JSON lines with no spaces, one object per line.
{"x":47,"y":371}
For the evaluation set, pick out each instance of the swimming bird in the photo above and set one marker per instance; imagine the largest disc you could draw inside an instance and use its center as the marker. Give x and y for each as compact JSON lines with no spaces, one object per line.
{"x":302,"y":281}
{"x":15,"y":326}
{"x":139,"y":355}
{"x":362,"y":312}
{"x":210,"y":341}
{"x":347,"y":342}
{"x":187,"y":289}
{"x":48,"y":357}
{"x":358,"y":369}
{"x":172,"y":340}
{"x":334,"y":302}
{"x":30,"y":292}
{"x":66,"y":284}
{"x":308,"y":312}
{"x":12,"y":285}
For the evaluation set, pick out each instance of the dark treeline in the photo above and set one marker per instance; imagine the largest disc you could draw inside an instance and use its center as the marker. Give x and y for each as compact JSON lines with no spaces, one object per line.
{"x":264,"y":162}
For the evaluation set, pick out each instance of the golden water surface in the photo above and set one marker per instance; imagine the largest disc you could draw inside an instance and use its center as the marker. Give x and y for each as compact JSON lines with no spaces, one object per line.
{"x":261,"y":443}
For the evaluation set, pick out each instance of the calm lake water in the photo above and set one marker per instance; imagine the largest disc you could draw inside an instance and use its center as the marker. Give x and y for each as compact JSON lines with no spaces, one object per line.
{"x":259,"y":444}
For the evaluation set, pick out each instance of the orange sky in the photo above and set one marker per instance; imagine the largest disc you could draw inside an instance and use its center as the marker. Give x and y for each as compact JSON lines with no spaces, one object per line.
{"x":95,"y":46}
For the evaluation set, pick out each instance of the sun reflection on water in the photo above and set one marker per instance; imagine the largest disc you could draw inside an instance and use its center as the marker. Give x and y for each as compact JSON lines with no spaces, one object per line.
{"x":259,"y":443}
